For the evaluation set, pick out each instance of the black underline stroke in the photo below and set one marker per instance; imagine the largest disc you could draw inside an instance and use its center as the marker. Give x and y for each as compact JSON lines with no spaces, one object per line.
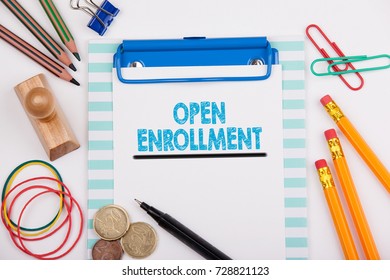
{"x":196,"y":156}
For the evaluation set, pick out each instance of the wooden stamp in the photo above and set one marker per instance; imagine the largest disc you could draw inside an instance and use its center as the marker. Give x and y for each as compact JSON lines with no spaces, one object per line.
{"x":46,"y":117}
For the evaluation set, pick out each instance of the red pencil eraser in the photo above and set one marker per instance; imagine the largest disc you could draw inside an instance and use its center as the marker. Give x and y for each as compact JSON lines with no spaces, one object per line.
{"x":326,"y":99}
{"x":321,"y":163}
{"x":330,"y":134}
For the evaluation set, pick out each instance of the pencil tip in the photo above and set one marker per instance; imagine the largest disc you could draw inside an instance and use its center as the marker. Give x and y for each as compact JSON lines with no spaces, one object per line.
{"x":71,"y":66}
{"x":73,"y":81}
{"x":76,"y":54}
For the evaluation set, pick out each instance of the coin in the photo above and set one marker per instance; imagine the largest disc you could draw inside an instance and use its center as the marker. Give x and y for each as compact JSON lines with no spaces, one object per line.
{"x":107,"y":250}
{"x":140,"y":240}
{"x":111,"y":222}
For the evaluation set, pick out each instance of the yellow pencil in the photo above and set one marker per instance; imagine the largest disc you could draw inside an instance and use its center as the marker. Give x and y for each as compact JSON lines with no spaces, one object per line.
{"x":336,"y":210}
{"x":357,"y":141}
{"x":351,"y":196}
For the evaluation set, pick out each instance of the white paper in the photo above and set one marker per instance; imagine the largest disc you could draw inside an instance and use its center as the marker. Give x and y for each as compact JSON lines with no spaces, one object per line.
{"x":236,"y":204}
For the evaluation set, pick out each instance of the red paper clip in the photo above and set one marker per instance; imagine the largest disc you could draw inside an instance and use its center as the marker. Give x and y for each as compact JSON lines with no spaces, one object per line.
{"x":324,"y":54}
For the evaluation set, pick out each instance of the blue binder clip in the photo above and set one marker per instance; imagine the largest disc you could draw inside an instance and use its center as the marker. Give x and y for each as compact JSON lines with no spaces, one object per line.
{"x":195,"y":51}
{"x":102,"y":18}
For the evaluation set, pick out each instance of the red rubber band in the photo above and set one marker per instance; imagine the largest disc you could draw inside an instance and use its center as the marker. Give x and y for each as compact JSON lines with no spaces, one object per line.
{"x":20,"y":184}
{"x":68,"y":205}
{"x":44,"y":256}
{"x":22,"y":245}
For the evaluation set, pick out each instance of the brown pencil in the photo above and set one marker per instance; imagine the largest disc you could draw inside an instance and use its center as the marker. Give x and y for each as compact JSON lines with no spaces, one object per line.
{"x":36,"y":55}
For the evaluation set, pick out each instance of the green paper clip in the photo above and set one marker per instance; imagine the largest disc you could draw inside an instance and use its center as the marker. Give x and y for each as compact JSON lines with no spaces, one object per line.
{"x":348,"y":59}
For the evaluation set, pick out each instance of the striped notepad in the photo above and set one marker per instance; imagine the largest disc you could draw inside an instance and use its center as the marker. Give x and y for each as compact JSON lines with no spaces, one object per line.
{"x":101,"y":142}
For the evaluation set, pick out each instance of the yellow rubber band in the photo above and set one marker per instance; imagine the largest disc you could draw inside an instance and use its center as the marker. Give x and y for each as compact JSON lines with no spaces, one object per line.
{"x":8,"y":187}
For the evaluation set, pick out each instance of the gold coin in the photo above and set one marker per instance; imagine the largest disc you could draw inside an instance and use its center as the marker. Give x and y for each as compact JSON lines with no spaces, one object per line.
{"x":140,"y":240}
{"x":111,"y":222}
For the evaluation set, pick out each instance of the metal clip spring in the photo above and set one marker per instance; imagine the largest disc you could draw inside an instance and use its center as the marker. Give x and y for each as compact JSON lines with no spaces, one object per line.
{"x":75,"y":5}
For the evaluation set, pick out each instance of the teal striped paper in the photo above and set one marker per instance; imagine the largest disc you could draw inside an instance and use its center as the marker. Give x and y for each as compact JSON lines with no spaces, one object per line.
{"x":100,"y":126}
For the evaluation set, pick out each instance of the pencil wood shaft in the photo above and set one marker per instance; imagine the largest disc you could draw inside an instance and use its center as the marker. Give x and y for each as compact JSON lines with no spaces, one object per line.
{"x":50,"y":44}
{"x":336,"y":211}
{"x":60,"y":26}
{"x":35,"y":54}
{"x":365,"y":152}
{"x":341,"y":224}
{"x":351,"y":195}
{"x":356,"y":209}
{"x":357,"y":141}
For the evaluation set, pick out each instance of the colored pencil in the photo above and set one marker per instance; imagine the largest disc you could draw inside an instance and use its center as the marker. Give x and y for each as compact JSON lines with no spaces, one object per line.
{"x":36,"y":55}
{"x":60,"y":26}
{"x":37,"y":30}
{"x":336,"y":210}
{"x":357,"y":141}
{"x":351,"y":196}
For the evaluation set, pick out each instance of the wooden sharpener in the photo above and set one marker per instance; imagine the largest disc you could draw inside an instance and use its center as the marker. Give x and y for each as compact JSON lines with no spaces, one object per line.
{"x":46,"y":117}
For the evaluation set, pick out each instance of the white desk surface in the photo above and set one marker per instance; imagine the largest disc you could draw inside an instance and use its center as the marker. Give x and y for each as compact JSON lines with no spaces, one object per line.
{"x":359,"y":27}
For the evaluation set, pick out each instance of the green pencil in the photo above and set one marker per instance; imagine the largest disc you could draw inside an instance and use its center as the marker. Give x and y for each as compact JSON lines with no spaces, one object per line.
{"x":60,"y":26}
{"x":50,"y":44}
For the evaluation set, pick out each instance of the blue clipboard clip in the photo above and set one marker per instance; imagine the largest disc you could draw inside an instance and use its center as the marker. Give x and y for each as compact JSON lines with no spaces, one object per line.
{"x":195,"y":51}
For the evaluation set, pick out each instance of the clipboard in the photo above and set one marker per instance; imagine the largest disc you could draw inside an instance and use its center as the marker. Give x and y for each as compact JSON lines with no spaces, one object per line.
{"x":97,"y":185}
